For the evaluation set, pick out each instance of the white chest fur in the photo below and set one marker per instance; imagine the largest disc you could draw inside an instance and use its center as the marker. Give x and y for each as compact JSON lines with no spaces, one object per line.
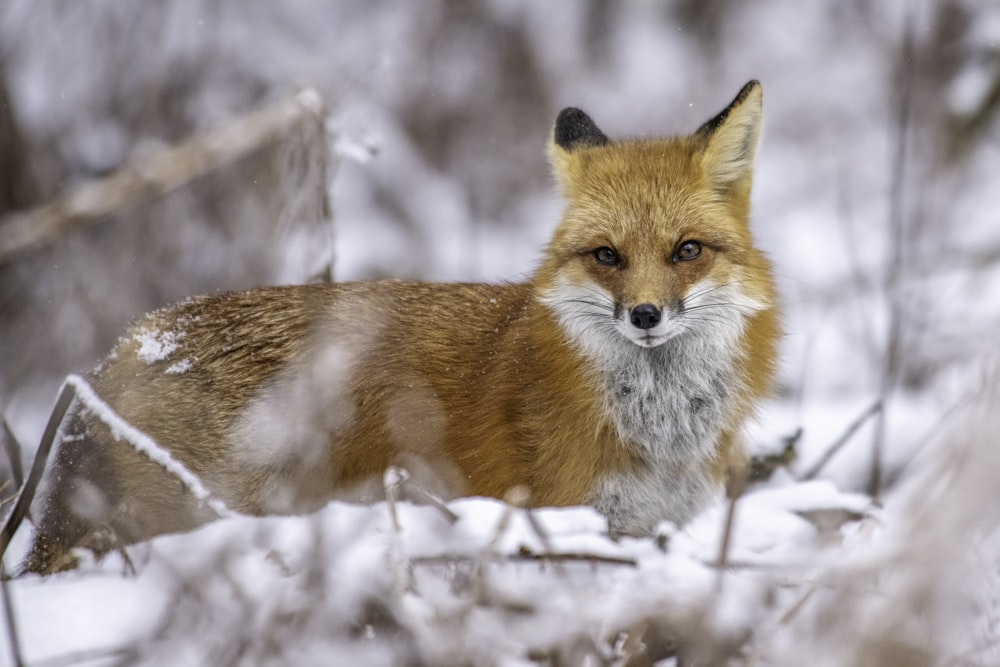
{"x":670,"y":403}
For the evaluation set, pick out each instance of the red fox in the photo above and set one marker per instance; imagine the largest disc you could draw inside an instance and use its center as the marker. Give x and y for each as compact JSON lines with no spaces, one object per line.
{"x":618,"y":376}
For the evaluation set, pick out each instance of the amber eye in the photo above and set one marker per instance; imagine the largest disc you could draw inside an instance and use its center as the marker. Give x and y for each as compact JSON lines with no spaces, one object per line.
{"x":687,"y":251}
{"x":607,"y":256}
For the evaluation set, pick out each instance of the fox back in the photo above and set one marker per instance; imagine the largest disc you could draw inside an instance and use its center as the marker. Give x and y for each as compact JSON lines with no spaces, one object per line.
{"x":620,"y":375}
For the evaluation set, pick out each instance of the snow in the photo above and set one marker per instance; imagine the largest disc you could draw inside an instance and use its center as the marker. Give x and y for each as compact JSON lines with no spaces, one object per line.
{"x":122,"y":430}
{"x":488,"y":583}
{"x":155,"y":345}
{"x":179,"y":368}
{"x":492,"y":587}
{"x":271,"y":561}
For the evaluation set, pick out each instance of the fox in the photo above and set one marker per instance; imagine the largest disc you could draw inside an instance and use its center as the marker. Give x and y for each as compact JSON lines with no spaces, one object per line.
{"x":620,"y":375}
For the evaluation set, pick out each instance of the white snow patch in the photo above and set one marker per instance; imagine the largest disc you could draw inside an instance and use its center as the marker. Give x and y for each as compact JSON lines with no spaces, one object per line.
{"x":155,"y":345}
{"x":179,"y":368}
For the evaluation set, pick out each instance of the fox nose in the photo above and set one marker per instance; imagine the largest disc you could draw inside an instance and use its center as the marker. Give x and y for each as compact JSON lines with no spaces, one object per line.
{"x":645,"y":316}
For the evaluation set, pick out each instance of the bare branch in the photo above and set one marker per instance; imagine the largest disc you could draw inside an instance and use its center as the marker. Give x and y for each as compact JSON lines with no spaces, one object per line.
{"x":13,"y":450}
{"x":844,"y":438}
{"x":27,"y":493}
{"x":531,"y":556}
{"x":168,"y":170}
{"x":896,"y":260}
{"x":393,"y":481}
{"x":736,"y":484}
{"x":13,"y":638}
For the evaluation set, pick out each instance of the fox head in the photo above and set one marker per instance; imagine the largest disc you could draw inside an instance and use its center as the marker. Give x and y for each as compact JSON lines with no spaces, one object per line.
{"x":655,"y":240}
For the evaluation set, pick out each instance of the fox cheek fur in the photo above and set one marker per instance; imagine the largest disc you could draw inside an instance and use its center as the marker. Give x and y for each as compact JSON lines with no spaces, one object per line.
{"x":619,"y":375}
{"x":655,"y":241}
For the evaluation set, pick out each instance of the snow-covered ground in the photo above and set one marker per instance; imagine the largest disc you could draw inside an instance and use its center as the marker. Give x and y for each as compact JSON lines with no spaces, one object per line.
{"x":436,"y":590}
{"x":812,"y":576}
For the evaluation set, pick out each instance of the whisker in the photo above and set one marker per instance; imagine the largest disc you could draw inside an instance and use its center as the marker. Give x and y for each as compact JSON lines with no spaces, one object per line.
{"x":708,"y":290}
{"x":710,"y":306}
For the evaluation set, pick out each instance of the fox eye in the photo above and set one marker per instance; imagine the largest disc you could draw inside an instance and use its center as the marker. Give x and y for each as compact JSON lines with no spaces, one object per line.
{"x":687,"y":251}
{"x":607,"y":256}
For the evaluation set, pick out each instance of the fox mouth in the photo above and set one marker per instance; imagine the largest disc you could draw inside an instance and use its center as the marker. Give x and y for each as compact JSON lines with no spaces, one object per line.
{"x":652,"y":341}
{"x":648,"y":340}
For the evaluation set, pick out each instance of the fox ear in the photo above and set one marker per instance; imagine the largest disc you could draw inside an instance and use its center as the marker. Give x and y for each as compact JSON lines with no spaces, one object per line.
{"x":731,"y":139}
{"x":574,"y":130}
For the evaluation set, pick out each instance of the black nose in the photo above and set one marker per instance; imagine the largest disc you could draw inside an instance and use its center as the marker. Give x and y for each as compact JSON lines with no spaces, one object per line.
{"x":645,"y":316}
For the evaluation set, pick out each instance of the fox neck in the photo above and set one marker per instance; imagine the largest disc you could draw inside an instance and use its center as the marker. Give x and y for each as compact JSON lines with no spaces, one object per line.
{"x":671,"y":401}
{"x":667,"y":402}
{"x":668,"y":405}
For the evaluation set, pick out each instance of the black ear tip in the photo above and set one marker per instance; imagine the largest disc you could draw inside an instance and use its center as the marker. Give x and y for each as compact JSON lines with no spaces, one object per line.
{"x":571,"y":115}
{"x":712,"y":124}
{"x":748,"y":87}
{"x":574,"y":128}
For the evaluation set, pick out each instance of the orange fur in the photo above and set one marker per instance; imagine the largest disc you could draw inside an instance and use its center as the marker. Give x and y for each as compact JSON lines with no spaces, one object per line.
{"x":283,"y":398}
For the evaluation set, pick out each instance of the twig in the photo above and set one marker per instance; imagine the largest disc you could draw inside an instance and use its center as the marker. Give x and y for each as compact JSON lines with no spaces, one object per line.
{"x":13,"y":449}
{"x":393,"y":480}
{"x":900,"y":122}
{"x":735,"y":486}
{"x":517,"y":496}
{"x":13,"y":637}
{"x":422,"y":496}
{"x":538,"y":529}
{"x":98,"y":655}
{"x":794,"y":610}
{"x":839,"y":443}
{"x":751,"y":566}
{"x":763,"y":467}
{"x":920,"y":444}
{"x":3,"y":487}
{"x":27,"y":492}
{"x":727,"y":532}
{"x":529,"y":556}
{"x":168,"y":170}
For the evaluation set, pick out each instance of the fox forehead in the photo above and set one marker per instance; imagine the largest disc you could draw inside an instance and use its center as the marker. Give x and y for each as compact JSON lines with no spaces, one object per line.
{"x":637,"y":192}
{"x":671,"y":160}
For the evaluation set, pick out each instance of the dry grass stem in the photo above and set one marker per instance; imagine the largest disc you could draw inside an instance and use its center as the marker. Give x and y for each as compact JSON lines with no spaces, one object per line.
{"x":156,"y":175}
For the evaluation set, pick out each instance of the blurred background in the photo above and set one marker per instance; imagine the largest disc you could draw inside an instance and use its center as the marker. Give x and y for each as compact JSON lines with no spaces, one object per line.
{"x":876,"y":191}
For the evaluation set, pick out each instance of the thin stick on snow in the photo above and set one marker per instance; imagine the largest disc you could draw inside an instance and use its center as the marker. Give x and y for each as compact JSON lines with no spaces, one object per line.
{"x":393,"y":480}
{"x":896,"y":259}
{"x":13,"y":637}
{"x":727,"y":532}
{"x":144,"y":444}
{"x":793,"y":611}
{"x":541,"y":557}
{"x":27,"y":492}
{"x":515,"y":497}
{"x":166,"y":171}
{"x":944,"y":421}
{"x":520,"y":497}
{"x":422,"y":496}
{"x":839,"y":443}
{"x":538,"y":529}
{"x":735,"y":486}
